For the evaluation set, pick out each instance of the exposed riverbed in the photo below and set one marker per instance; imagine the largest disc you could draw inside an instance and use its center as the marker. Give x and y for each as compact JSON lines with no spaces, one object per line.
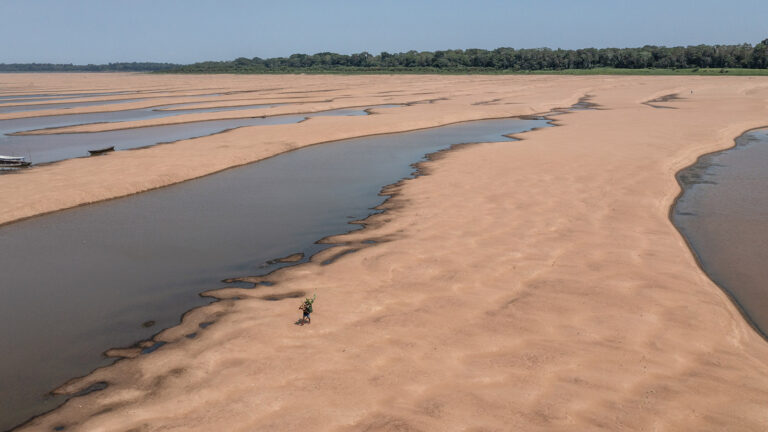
{"x":43,"y":103}
{"x":90,"y":278}
{"x":56,"y":147}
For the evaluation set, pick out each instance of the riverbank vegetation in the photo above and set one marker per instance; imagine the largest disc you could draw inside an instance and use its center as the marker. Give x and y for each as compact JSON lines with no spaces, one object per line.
{"x":742,"y":59}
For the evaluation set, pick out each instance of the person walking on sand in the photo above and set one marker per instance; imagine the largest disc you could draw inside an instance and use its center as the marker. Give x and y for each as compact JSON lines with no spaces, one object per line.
{"x":306,"y":308}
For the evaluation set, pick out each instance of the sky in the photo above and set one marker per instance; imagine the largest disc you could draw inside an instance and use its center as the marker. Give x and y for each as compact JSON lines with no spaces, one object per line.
{"x":187,"y":31}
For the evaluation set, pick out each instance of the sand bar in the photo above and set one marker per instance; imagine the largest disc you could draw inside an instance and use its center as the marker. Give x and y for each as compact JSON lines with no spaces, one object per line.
{"x":80,"y":181}
{"x":536,"y":286}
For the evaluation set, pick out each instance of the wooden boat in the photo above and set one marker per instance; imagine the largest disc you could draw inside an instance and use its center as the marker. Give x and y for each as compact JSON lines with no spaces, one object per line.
{"x":13,"y":161}
{"x":101,"y":151}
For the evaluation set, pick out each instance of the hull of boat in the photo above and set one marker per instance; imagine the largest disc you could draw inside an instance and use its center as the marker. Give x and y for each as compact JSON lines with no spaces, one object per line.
{"x":101,"y":151}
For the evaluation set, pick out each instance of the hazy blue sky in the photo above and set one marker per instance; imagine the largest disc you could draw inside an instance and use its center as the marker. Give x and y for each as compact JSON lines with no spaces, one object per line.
{"x":184,"y":31}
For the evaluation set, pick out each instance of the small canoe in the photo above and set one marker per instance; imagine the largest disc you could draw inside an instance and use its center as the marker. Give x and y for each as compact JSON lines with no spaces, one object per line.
{"x":13,"y":161}
{"x":101,"y":151}
{"x":11,"y":158}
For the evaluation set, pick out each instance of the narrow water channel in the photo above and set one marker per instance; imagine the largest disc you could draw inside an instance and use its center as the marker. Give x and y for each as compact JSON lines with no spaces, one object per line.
{"x":51,"y":148}
{"x":31,"y":124}
{"x":44,"y":105}
{"x":12,"y":105}
{"x":56,"y":96}
{"x":80,"y":281}
{"x":723,"y":214}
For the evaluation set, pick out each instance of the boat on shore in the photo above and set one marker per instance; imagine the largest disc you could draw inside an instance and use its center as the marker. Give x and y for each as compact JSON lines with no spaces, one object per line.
{"x":101,"y":151}
{"x":13,"y":161}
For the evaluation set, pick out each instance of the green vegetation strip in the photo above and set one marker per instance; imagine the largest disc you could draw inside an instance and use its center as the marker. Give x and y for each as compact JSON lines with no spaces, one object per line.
{"x":479,"y":71}
{"x":649,"y":60}
{"x":743,"y":59}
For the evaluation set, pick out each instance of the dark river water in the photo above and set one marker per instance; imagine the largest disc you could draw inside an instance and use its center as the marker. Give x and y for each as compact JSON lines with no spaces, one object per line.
{"x":47,"y":122}
{"x":80,"y":281}
{"x":723,"y":214}
{"x":50,"y":148}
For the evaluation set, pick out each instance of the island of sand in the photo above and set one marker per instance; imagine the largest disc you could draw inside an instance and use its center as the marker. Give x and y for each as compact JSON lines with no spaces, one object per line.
{"x":533,"y":285}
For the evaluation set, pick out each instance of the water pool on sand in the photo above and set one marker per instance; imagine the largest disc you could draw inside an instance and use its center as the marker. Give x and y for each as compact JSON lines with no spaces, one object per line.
{"x":723,"y":214}
{"x":80,"y":281}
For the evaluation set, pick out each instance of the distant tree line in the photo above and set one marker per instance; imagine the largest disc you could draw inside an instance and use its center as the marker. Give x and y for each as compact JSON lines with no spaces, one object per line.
{"x":111,"y":67}
{"x":504,"y":59}
{"x":500,"y":59}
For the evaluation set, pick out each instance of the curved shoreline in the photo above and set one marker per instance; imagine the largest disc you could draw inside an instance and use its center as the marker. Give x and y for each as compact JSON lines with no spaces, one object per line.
{"x":683,"y":189}
{"x":150,"y":177}
{"x":542,"y":284}
{"x":87,"y":100}
{"x":75,"y":129}
{"x":169,"y":100}
{"x":74,"y":387}
{"x":54,"y":130}
{"x":55,"y":148}
{"x":4,"y":223}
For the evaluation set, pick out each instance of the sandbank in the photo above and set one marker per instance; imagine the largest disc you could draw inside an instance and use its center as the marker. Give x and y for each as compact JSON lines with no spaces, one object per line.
{"x":533,"y":285}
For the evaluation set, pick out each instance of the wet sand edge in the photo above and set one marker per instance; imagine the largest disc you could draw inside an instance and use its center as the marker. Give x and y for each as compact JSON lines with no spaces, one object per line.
{"x":682,"y":189}
{"x":226,"y":296}
{"x":11,"y":221}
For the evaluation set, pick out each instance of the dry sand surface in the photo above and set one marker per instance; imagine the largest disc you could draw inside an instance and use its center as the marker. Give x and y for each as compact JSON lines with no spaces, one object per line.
{"x":534,"y":285}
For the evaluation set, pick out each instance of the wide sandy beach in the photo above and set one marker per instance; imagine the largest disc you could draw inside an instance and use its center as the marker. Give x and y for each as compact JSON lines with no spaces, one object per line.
{"x":532,"y":285}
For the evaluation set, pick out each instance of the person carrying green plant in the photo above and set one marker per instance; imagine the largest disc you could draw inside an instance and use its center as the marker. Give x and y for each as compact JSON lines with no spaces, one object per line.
{"x":306,"y":308}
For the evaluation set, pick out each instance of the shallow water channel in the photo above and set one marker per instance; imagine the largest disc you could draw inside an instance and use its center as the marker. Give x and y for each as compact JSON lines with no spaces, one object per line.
{"x":80,"y":281}
{"x":43,"y":104}
{"x":51,"y":148}
{"x":723,"y":214}
{"x":44,"y":97}
{"x":47,"y":122}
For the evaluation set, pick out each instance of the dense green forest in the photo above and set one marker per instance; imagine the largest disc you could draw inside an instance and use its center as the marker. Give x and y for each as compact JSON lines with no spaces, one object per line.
{"x":701,"y":59}
{"x":111,"y":67}
{"x":743,"y":56}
